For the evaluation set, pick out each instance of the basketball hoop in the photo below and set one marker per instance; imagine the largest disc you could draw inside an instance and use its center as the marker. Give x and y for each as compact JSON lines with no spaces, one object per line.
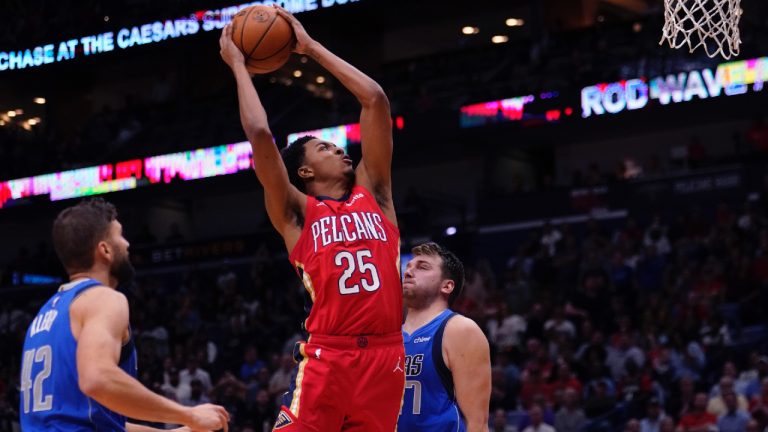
{"x":713,"y":24}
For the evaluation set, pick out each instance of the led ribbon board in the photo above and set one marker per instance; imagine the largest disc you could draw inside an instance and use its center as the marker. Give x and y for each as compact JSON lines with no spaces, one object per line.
{"x":342,"y":135}
{"x":543,"y":108}
{"x":184,"y":166}
{"x":158,"y":31}
{"x":732,"y":78}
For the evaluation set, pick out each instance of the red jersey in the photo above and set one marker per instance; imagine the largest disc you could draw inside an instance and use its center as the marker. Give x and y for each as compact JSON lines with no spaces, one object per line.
{"x":348,"y":257}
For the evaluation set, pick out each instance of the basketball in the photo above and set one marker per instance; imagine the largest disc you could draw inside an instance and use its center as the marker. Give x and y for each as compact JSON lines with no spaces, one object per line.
{"x":264,"y":37}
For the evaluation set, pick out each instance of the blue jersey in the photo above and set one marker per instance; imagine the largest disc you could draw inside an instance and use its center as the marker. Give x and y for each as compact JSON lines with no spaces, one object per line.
{"x":50,"y":398}
{"x":429,"y":403}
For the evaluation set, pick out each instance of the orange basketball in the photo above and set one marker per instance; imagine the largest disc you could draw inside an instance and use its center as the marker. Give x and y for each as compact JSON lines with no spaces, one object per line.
{"x":265,"y":38}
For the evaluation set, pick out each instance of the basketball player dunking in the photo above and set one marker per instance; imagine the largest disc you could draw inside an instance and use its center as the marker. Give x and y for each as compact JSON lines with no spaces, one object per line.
{"x":339,"y":227}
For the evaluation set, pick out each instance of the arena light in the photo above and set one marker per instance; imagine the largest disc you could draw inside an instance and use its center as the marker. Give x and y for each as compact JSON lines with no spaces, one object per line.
{"x":470,"y":30}
{"x":450,"y":231}
{"x":514,"y":22}
{"x":19,"y":111}
{"x":32,"y":121}
{"x":320,"y":79}
{"x":297,"y":73}
{"x":26,"y":126}
{"x":39,"y":100}
{"x":2,"y":122}
{"x":11,"y":114}
{"x":500,"y":39}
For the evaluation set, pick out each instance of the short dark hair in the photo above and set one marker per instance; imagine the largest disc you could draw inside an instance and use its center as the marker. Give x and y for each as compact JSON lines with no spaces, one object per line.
{"x":293,"y":159}
{"x":452,"y":267}
{"x":78,"y":229}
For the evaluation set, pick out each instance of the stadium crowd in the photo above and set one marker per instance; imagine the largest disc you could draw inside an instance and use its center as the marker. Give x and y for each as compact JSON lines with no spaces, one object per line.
{"x":654,"y":326}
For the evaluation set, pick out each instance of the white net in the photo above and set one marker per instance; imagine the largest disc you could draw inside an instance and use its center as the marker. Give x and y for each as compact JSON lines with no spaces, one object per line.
{"x":712,"y":24}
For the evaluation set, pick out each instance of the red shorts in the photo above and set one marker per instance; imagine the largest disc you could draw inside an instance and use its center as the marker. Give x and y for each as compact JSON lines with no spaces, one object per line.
{"x":350,"y":383}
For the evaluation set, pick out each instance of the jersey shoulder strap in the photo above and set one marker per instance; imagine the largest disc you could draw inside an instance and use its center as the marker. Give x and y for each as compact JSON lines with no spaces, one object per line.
{"x":437,"y":358}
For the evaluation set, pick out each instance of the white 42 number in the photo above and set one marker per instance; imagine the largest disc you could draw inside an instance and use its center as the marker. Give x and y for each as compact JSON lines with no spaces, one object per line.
{"x":40,"y":402}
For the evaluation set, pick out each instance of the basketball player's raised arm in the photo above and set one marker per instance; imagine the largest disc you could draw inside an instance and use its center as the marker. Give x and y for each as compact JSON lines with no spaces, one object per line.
{"x":375,"y":171}
{"x":282,"y":198}
{"x":103,"y":317}
{"x":468,"y":357}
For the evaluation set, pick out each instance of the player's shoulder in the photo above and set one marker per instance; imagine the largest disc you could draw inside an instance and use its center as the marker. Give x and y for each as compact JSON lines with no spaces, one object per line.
{"x":100,"y":296}
{"x":459,"y":327}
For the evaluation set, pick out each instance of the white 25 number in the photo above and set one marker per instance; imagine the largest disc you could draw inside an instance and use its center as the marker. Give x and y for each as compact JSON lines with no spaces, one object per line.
{"x":357,"y":262}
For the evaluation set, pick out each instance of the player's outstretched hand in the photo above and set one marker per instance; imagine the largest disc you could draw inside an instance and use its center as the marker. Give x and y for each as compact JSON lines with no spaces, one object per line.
{"x":303,"y":41}
{"x":208,"y":417}
{"x":230,"y":53}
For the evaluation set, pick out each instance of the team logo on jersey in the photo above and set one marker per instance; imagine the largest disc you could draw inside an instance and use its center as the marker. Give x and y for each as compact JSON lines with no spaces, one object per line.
{"x":422,"y":339}
{"x":354,"y":198}
{"x":317,"y":353}
{"x":282,"y":421}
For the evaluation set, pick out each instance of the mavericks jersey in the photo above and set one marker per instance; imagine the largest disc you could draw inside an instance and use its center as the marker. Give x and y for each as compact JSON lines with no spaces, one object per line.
{"x":348,"y":257}
{"x":429,"y":402}
{"x":50,"y":398}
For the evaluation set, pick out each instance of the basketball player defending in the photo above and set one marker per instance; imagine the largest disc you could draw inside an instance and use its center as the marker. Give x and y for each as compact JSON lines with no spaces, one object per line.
{"x":340,"y":230}
{"x":448,"y":365}
{"x":79,"y":363}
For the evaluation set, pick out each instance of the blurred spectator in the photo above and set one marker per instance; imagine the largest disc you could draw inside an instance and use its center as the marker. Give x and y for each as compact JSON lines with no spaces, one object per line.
{"x":667,"y":425}
{"x":229,"y":392}
{"x":193,"y":372}
{"x":632,"y":426}
{"x":654,"y":417}
{"x":565,"y":379}
{"x":196,"y":394}
{"x":618,"y":357}
{"x":499,"y":422}
{"x":570,"y":418}
{"x":560,"y":325}
{"x":758,"y":406}
{"x":537,"y":421}
{"x":262,"y":413}
{"x":251,"y":363}
{"x":174,"y":388}
{"x":734,"y":419}
{"x":599,"y":401}
{"x":682,"y":397}
{"x":717,"y":404}
{"x":281,"y":379}
{"x":698,"y":419}
{"x":504,"y":330}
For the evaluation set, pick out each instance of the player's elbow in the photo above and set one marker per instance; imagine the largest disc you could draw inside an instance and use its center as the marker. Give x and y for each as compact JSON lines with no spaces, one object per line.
{"x":92,"y":382}
{"x":478,"y":422}
{"x":258,"y":134}
{"x":375,"y":97}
